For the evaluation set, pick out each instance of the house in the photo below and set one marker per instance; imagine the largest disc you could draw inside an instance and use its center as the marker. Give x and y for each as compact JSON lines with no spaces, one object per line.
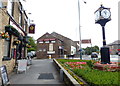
{"x":55,"y":45}
{"x":13,"y":33}
{"x":114,"y":47}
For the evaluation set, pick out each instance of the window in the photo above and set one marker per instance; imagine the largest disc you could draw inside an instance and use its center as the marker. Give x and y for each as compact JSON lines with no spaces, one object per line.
{"x":9,"y":7}
{"x":40,"y":50}
{"x":1,"y":4}
{"x":52,"y":41}
{"x":47,"y":42}
{"x":20,"y":19}
{"x":6,"y":48}
{"x":40,"y":41}
{"x":44,"y":50}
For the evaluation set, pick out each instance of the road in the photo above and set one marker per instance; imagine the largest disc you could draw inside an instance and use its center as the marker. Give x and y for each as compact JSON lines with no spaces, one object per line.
{"x":113,"y":58}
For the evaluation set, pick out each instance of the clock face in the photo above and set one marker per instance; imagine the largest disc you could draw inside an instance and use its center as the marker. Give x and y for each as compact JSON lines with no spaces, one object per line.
{"x":105,"y":13}
{"x":97,"y":15}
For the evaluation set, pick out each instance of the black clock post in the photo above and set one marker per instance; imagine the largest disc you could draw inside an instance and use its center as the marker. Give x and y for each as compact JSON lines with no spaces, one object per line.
{"x":103,"y":16}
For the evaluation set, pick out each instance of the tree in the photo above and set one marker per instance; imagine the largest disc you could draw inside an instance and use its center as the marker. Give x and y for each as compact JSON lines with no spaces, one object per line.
{"x":32,"y":44}
{"x":89,"y":50}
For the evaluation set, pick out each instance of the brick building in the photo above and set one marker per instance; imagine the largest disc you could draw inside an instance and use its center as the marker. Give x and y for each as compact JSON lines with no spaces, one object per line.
{"x":14,"y":23}
{"x":55,"y":45}
{"x":114,"y":47}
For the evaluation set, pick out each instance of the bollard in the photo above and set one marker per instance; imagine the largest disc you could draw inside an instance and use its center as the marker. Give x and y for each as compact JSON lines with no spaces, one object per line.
{"x":61,"y":75}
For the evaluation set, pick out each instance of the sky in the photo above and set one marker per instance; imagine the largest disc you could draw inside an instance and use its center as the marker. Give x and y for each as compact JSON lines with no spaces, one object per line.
{"x":61,"y":16}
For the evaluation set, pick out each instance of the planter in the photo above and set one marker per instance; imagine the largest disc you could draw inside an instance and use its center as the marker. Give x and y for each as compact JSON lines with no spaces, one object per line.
{"x":107,"y":67}
{"x":68,"y":76}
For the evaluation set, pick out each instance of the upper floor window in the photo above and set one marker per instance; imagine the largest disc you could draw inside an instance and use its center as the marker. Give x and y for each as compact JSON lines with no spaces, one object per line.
{"x":20,"y":19}
{"x":10,"y":7}
{"x":40,"y":41}
{"x":53,"y":41}
{"x":1,"y":4}
{"x":47,"y":42}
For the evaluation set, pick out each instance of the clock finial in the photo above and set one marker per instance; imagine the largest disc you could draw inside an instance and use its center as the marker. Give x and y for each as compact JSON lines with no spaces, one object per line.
{"x":101,"y":4}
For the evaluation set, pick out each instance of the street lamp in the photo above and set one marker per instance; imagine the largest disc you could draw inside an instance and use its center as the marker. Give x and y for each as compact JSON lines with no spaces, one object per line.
{"x":103,"y":15}
{"x":80,"y":48}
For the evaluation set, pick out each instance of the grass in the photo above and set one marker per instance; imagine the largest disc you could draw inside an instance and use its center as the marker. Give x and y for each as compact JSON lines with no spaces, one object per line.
{"x":92,"y":76}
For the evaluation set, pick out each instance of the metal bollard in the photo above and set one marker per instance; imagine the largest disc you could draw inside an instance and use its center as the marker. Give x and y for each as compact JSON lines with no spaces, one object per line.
{"x":61,"y":75}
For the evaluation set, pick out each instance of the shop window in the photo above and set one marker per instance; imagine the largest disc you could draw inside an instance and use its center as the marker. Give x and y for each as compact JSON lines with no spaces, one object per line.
{"x":6,"y":47}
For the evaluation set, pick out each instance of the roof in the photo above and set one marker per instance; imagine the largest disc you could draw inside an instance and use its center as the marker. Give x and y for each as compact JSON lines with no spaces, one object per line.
{"x":117,"y":42}
{"x":59,"y":36}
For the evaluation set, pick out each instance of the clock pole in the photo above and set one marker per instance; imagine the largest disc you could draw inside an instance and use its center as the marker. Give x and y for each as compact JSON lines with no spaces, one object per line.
{"x":102,"y":18}
{"x":103,"y":32}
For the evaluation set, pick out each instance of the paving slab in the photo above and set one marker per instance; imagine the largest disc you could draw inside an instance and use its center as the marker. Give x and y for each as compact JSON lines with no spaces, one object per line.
{"x":38,"y":67}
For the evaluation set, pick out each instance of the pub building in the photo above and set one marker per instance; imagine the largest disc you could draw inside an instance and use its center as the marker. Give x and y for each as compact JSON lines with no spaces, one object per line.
{"x":55,"y":45}
{"x":13,"y":33}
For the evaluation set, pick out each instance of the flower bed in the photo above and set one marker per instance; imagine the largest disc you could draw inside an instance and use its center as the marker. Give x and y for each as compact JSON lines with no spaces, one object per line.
{"x":85,"y":70}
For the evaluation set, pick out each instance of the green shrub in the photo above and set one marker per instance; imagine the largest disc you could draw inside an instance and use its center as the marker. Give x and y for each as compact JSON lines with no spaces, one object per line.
{"x":93,"y":76}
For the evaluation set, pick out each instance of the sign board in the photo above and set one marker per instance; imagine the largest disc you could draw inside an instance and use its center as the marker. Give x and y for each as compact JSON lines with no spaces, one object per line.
{"x":32,"y":28}
{"x":50,"y":47}
{"x":85,"y":41}
{"x":22,"y":65}
{"x":4,"y":75}
{"x":50,"y":52}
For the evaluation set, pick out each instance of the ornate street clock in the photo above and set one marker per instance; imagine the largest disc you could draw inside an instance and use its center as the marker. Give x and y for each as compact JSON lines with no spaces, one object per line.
{"x":102,"y":15}
{"x":105,"y":13}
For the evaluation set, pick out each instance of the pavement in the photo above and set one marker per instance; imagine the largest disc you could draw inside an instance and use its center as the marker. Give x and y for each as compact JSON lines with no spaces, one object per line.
{"x":44,"y":69}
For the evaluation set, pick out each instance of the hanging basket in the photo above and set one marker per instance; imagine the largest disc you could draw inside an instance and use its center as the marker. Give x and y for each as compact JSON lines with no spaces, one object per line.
{"x":17,"y":42}
{"x":4,"y":35}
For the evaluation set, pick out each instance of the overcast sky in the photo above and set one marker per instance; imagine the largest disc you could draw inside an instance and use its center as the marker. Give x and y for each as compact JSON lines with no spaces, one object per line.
{"x":61,"y":16}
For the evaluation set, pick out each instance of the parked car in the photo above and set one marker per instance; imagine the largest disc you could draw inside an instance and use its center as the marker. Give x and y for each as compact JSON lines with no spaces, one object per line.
{"x":118,"y":53}
{"x":94,"y":55}
{"x":33,"y":53}
{"x":29,"y":55}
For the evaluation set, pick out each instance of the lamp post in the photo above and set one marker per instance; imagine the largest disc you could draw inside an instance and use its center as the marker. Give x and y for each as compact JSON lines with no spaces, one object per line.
{"x":79,"y":30}
{"x":80,"y":48}
{"x":103,"y":15}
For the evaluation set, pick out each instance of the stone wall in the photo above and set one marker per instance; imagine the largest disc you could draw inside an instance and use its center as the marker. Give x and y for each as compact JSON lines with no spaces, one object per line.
{"x":9,"y":65}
